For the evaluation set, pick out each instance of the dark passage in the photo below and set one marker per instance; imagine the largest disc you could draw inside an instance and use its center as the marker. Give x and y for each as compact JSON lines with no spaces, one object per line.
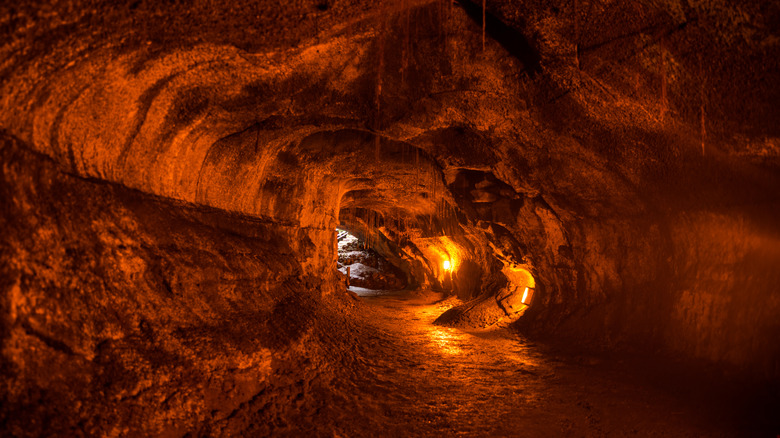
{"x":558,"y":218}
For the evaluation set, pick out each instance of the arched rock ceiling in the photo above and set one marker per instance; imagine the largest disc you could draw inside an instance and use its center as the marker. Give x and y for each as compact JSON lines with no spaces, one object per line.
{"x":249,"y":106}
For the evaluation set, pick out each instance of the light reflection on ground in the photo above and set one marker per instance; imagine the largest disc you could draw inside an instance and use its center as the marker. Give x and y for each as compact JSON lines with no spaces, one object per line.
{"x":446,"y":339}
{"x":475,"y":367}
{"x":425,"y":380}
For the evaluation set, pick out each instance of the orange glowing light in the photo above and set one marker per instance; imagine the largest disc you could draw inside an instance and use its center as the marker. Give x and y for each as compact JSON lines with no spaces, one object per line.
{"x":525,"y":295}
{"x":447,"y":265}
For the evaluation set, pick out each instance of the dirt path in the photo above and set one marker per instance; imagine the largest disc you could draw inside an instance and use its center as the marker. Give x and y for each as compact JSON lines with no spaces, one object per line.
{"x":429,"y":380}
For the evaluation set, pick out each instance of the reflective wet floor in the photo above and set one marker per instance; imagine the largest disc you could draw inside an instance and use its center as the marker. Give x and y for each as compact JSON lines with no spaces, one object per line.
{"x":425,"y":380}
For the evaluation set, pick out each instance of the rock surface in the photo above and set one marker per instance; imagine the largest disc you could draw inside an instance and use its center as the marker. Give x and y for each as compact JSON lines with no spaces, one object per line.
{"x":172,"y":176}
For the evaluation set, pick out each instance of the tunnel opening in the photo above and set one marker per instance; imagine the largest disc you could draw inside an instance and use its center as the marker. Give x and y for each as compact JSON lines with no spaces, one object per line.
{"x":365,"y":270}
{"x":502,"y":299}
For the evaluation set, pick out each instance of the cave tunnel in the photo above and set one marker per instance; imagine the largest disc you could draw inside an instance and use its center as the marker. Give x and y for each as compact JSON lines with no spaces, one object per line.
{"x":571,"y":208}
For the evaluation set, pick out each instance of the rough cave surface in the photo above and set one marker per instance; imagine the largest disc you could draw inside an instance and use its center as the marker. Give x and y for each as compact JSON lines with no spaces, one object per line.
{"x":171,"y":179}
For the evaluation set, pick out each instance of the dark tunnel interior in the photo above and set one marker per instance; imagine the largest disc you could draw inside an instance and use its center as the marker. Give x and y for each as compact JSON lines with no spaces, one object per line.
{"x":421,"y":217}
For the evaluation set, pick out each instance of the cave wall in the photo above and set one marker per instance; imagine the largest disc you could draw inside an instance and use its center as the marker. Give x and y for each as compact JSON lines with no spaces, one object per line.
{"x":724,"y":290}
{"x":124,"y":312}
{"x":699,"y":223}
{"x":626,"y":156}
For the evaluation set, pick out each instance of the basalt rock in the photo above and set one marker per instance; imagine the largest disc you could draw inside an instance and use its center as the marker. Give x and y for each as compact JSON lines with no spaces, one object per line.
{"x":172,"y":178}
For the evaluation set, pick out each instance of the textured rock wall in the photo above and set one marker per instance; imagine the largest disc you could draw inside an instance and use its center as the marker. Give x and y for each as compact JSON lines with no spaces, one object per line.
{"x":625,"y":154}
{"x":127,"y":313}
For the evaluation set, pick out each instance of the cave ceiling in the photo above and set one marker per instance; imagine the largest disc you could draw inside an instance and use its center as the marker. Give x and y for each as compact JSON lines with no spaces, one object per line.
{"x":377,"y":103}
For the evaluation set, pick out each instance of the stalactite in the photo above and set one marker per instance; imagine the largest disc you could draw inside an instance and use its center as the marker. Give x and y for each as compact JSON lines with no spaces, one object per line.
{"x":701,"y":109}
{"x":447,"y":215}
{"x":448,"y":219}
{"x":405,"y":45}
{"x":433,"y":187}
{"x":703,"y":127}
{"x":453,"y":221}
{"x":443,"y":218}
{"x":442,"y":215}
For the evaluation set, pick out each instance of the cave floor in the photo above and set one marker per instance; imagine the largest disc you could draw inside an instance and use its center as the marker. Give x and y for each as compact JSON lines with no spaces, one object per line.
{"x":419,"y":379}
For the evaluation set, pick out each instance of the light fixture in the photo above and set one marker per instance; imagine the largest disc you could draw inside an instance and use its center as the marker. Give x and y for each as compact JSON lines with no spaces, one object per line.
{"x":528,"y":294}
{"x":447,"y":265}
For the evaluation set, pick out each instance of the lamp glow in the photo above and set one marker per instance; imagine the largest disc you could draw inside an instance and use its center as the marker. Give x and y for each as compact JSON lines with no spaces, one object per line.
{"x":525,"y":295}
{"x":447,"y":265}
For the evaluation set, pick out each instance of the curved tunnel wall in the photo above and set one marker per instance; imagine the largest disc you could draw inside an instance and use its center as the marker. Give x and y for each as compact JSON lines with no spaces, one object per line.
{"x":638,"y":227}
